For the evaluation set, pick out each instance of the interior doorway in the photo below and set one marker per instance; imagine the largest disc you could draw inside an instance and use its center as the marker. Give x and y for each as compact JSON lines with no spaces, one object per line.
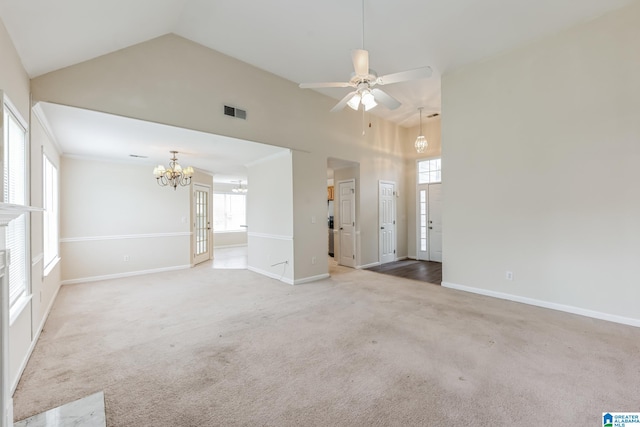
{"x":201,"y":223}
{"x":342,"y":202}
{"x":387,"y":219}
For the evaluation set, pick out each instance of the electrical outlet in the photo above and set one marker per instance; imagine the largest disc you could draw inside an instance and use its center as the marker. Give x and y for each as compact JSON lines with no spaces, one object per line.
{"x":508,"y":275}
{"x":313,"y":260}
{"x":126,"y":258}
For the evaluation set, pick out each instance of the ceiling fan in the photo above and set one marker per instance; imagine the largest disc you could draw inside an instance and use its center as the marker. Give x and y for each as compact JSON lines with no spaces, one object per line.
{"x":363,"y":80}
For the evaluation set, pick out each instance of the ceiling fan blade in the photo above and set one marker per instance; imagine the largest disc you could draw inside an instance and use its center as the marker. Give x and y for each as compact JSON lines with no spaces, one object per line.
{"x":319,"y":85}
{"x":403,"y":76}
{"x":360,"y":58}
{"x":385,"y":99}
{"x":343,"y":102}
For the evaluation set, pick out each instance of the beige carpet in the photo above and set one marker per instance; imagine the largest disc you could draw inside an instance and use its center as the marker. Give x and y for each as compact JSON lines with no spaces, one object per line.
{"x":208,"y":347}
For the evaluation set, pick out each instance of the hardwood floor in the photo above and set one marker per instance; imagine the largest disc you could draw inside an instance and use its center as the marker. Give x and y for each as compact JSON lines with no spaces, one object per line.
{"x":425,"y":271}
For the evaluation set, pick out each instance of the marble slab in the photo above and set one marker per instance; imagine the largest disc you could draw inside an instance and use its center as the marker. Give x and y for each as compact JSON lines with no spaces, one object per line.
{"x":85,"y":412}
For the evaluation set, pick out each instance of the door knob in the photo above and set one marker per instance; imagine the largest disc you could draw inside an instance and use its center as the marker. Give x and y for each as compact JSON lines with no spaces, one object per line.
{"x":340,"y":228}
{"x":381,"y":228}
{"x":430,"y":228}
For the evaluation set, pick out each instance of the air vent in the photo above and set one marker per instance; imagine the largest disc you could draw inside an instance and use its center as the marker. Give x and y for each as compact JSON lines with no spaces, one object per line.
{"x":138,"y":156}
{"x":235,"y":112}
{"x":433,"y":115}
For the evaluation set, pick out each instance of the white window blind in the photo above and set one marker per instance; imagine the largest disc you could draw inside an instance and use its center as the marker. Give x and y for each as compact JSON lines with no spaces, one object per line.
{"x":15,"y":192}
{"x":229,"y":212}
{"x":50,"y":217}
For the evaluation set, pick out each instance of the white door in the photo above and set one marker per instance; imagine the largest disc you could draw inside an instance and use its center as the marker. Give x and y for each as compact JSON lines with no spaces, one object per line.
{"x":347,"y":222}
{"x":429,"y":216}
{"x":423,"y":221}
{"x":201,"y":224}
{"x":387,"y":218}
{"x":435,"y":222}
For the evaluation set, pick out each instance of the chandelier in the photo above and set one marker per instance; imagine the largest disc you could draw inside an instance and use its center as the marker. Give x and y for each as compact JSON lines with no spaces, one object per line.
{"x":173,"y":175}
{"x":421,"y":142}
{"x":240,"y":189}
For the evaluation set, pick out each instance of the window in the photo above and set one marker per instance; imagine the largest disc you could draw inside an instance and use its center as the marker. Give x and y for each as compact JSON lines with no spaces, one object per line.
{"x":15,"y":191}
{"x":50,"y":216}
{"x":429,"y":171}
{"x":229,"y":212}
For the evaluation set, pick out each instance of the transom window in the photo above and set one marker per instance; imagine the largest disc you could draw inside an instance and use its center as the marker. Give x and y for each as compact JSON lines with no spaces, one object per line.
{"x":430,"y":171}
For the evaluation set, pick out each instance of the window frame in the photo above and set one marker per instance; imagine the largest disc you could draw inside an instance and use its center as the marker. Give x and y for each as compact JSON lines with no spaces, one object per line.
{"x":428,"y":159}
{"x":21,"y":301}
{"x":49,"y":262}
{"x":213,"y":214}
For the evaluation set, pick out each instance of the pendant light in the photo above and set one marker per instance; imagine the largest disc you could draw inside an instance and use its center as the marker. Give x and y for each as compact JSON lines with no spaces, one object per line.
{"x":421,"y":142}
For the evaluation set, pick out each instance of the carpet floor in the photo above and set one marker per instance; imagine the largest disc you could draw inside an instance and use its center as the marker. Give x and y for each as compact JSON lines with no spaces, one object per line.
{"x":204,"y":347}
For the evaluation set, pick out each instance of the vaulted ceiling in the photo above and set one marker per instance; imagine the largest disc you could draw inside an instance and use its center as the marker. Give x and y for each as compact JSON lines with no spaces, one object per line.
{"x":300,"y":40}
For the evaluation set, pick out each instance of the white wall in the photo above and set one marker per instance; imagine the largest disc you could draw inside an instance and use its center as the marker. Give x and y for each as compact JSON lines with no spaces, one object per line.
{"x":270,"y":217}
{"x":540,"y":170}
{"x":112,"y":210}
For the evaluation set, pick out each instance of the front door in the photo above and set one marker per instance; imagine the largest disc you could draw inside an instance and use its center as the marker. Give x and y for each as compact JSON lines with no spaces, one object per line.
{"x":347,"y":222}
{"x":201,"y":224}
{"x":387,"y":218}
{"x":429,"y":217}
{"x":435,"y":222}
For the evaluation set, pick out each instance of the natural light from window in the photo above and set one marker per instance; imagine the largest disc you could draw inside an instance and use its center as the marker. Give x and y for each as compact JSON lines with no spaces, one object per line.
{"x":229,"y":212}
{"x":50,"y":216}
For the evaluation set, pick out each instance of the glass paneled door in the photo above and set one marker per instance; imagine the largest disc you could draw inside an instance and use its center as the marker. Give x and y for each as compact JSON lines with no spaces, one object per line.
{"x":201,"y":224}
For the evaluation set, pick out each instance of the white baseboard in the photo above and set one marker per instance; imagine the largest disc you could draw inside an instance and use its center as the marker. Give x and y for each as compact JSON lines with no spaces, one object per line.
{"x":240,"y":245}
{"x":546,"y":304}
{"x":363,"y":267}
{"x":401,"y":258}
{"x":271,"y":275}
{"x":127,"y":274}
{"x":311,"y":279}
{"x":34,"y":341}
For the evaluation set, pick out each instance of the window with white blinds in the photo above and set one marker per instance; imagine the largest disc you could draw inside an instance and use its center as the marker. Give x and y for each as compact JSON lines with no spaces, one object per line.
{"x":15,"y":191}
{"x":50,"y":216}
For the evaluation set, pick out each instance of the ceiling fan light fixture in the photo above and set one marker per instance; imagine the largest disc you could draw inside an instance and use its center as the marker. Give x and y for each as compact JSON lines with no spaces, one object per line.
{"x":354,"y":102}
{"x":368,"y":100}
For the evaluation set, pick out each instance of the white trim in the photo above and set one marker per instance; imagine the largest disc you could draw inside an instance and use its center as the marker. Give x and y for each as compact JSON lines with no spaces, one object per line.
{"x":18,"y":307}
{"x":42,"y":118}
{"x":546,"y":304}
{"x":271,"y":275}
{"x":269,"y":157}
{"x":230,"y":246}
{"x":126,"y":274}
{"x":311,"y":279}
{"x":49,"y":267}
{"x":269,"y":236}
{"x":124,"y":236}
{"x":401,"y":258}
{"x":34,"y":341}
{"x":37,"y":259}
{"x":363,"y":267}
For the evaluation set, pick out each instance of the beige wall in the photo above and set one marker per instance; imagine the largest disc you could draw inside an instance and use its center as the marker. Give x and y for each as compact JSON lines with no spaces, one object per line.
{"x":117,"y":210}
{"x":540,"y":165}
{"x":26,"y":326}
{"x":174,"y":81}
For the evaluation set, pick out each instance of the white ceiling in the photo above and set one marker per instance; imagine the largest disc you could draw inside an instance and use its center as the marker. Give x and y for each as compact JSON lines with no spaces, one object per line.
{"x":91,"y":134}
{"x":300,"y":40}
